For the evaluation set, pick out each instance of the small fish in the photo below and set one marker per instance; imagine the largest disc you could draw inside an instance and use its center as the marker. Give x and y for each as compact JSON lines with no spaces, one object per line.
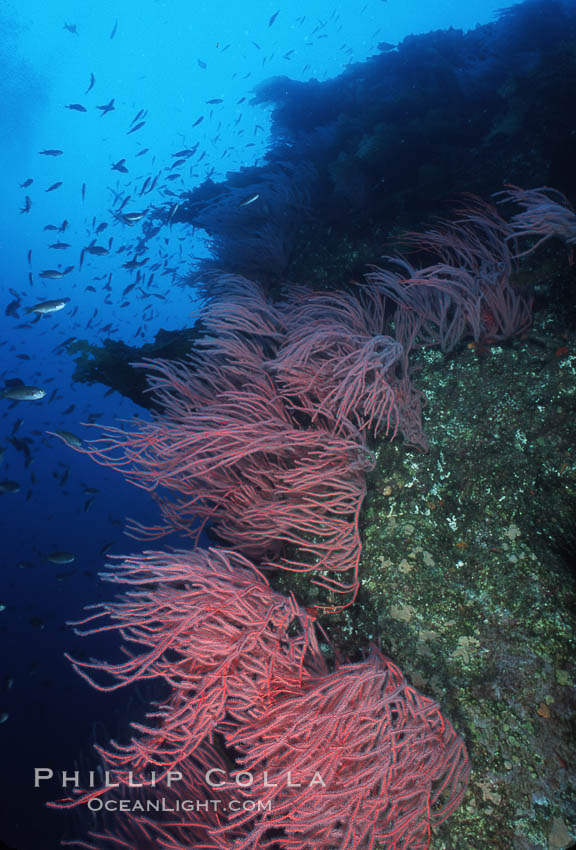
{"x":67,"y":437}
{"x":273,"y":18}
{"x":215,"y":100}
{"x":61,"y":558}
{"x":52,"y":306}
{"x":131,"y":218}
{"x":91,"y":85}
{"x":249,"y":200}
{"x":97,"y":250}
{"x":186,"y":152}
{"x":21,"y":392}
{"x":134,"y":264}
{"x":54,"y":186}
{"x":77,"y":107}
{"x":51,"y":274}
{"x":27,"y":183}
{"x":198,"y":121}
{"x":108,"y":107}
{"x":119,"y":166}
{"x":114,"y":30}
{"x":137,"y":127}
{"x":9,"y":487}
{"x":60,"y":246}
{"x":386,"y":46}
{"x":202,"y":64}
{"x":12,"y":308}
{"x":71,"y":28}
{"x":27,"y":205}
{"x":51,"y":152}
{"x":174,"y":209}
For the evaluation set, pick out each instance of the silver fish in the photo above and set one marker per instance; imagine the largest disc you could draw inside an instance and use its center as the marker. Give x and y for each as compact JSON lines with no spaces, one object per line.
{"x":61,"y":558}
{"x":23,"y":393}
{"x":68,"y":437}
{"x":45,"y":307}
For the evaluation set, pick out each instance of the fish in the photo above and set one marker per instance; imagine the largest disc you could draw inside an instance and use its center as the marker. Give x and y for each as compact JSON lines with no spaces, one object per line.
{"x":27,"y":205}
{"x":273,"y":18}
{"x":386,"y":46}
{"x":119,"y":166}
{"x":134,"y":264}
{"x":97,"y":250}
{"x":186,"y":152}
{"x":54,"y":186}
{"x":51,"y":152}
{"x":22,"y":392}
{"x":71,"y":28}
{"x":77,"y":107}
{"x":27,"y":183}
{"x":202,"y":64}
{"x":52,"y":306}
{"x":108,"y":107}
{"x":215,"y":100}
{"x":61,"y":558}
{"x":9,"y":487}
{"x":13,"y":307}
{"x":67,"y":437}
{"x":198,"y":121}
{"x":249,"y":200}
{"x":22,"y":445}
{"x":60,"y":246}
{"x":51,"y":274}
{"x":91,"y":85}
{"x":130,"y":218}
{"x":138,"y":126}
{"x":173,"y":210}
{"x":114,"y":29}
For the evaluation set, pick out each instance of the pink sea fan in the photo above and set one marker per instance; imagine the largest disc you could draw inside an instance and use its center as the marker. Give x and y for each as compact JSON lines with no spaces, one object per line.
{"x":467,"y":291}
{"x":240,"y":461}
{"x":212,"y":629}
{"x":335,"y":361}
{"x":346,"y":759}
{"x":546,"y":213}
{"x":376,"y":762}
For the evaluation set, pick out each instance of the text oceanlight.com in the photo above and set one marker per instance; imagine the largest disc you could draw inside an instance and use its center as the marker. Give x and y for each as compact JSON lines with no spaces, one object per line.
{"x":164,"y":805}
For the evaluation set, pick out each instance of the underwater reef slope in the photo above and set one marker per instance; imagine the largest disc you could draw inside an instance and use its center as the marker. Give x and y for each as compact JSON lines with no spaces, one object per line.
{"x":460,"y":541}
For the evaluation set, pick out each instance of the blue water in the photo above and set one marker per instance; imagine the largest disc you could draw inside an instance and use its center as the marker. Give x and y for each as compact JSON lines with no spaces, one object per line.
{"x":169,"y":59}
